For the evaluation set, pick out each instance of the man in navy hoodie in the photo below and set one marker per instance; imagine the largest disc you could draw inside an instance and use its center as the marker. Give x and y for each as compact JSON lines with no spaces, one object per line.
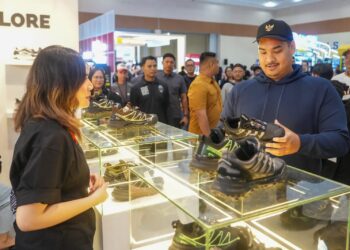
{"x":308,"y":108}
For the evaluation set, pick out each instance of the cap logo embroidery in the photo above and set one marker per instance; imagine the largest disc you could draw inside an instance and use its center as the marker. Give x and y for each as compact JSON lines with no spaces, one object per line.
{"x":269,"y":27}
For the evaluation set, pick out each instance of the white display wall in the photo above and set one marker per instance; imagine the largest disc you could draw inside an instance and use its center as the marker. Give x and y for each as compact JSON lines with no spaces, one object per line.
{"x":235,"y":49}
{"x":26,"y":26}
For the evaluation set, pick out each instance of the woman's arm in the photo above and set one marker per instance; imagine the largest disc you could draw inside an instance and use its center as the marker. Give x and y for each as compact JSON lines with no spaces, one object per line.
{"x":39,"y":216}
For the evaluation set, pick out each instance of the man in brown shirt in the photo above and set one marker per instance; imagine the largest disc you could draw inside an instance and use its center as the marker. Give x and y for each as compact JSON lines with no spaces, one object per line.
{"x":205,"y":97}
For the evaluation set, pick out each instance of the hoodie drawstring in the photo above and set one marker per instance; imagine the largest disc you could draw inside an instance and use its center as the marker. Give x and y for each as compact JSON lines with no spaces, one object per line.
{"x":265,"y":102}
{"x":278,"y":103}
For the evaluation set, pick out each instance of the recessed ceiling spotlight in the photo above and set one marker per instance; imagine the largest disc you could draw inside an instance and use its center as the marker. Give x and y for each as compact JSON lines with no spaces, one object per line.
{"x":297,"y":1}
{"x":270,"y":4}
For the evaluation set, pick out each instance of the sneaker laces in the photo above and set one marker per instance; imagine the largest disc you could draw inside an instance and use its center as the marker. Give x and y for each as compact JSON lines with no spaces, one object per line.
{"x":268,"y":166}
{"x":104,"y":104}
{"x":132,"y":113}
{"x":220,"y":239}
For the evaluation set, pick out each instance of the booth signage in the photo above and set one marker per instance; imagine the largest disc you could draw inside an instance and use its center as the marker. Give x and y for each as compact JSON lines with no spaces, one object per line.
{"x":26,"y":20}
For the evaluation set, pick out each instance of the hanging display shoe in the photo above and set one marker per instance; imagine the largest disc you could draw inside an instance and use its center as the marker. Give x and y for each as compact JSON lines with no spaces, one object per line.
{"x":244,"y":126}
{"x":245,"y":167}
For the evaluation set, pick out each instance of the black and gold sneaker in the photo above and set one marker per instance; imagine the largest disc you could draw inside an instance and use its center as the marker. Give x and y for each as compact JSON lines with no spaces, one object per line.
{"x":242,"y":169}
{"x":119,"y":172}
{"x":130,"y":115}
{"x":244,"y":126}
{"x":98,"y":109}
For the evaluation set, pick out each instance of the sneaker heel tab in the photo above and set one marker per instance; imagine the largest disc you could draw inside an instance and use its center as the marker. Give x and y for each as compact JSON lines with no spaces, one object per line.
{"x":175,"y":223}
{"x":244,"y":117}
{"x":217,"y":135}
{"x":233,"y":122}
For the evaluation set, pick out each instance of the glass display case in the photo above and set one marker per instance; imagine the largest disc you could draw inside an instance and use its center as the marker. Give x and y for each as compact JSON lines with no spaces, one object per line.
{"x":105,"y":147}
{"x":157,"y":201}
{"x":303,"y":211}
{"x":113,"y":152}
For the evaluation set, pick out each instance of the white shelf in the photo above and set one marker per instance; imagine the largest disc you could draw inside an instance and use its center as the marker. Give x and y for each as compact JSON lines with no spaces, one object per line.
{"x":19,"y":63}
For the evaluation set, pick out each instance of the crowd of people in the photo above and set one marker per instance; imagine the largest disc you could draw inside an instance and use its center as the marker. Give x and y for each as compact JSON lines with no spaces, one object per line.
{"x":316,"y":124}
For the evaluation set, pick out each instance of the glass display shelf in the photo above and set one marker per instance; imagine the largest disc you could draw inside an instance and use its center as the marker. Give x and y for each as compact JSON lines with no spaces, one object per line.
{"x":104,"y":146}
{"x":263,"y":208}
{"x":134,"y":134}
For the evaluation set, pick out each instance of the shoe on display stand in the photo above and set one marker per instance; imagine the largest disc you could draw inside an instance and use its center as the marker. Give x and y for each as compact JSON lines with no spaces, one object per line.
{"x":91,"y":152}
{"x":307,"y":216}
{"x":192,"y":237}
{"x":244,"y":126}
{"x":332,"y":236}
{"x":246,"y":167}
{"x":208,"y":151}
{"x":118,"y":172}
{"x":138,"y":188}
{"x":129,"y":115}
{"x":99,"y":109}
{"x":135,"y":185}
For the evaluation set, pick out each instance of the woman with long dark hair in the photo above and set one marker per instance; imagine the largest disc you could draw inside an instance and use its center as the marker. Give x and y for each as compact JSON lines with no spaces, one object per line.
{"x":49,"y":174}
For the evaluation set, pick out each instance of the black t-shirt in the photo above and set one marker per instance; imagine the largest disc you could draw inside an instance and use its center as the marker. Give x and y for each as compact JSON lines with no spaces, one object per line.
{"x":151,"y":98}
{"x":49,"y":167}
{"x":189,"y":80}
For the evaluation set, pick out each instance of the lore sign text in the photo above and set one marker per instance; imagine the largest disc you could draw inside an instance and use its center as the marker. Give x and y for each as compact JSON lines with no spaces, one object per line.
{"x":26,"y":20}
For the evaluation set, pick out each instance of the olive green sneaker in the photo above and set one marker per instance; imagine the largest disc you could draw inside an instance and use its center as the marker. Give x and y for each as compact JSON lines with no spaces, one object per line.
{"x":192,"y":237}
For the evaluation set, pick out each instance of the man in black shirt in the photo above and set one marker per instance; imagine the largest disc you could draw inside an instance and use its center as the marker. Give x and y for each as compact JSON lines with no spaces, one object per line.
{"x":190,"y":75}
{"x":150,"y":94}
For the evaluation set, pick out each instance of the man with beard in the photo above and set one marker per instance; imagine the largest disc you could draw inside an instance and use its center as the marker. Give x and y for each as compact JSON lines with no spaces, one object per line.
{"x":308,"y":108}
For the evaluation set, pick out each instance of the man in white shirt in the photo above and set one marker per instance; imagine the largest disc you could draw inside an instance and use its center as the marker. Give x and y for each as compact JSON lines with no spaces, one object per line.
{"x":345,"y":76}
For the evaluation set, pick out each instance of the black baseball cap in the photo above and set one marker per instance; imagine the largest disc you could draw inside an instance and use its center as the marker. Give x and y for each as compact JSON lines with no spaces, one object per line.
{"x":277,"y":29}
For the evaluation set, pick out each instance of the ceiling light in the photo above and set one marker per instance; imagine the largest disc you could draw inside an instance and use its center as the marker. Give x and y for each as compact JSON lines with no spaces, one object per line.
{"x":297,"y":1}
{"x":270,"y":4}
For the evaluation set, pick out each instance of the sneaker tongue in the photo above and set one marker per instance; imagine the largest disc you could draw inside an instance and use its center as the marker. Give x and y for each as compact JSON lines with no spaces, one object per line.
{"x":217,"y":135}
{"x":196,"y":229}
{"x":244,"y":119}
{"x":127,"y":108}
{"x":249,"y":147}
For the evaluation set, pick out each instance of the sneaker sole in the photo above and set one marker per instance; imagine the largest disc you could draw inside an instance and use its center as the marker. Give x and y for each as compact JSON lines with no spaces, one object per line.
{"x":136,"y":192}
{"x":231,"y":188}
{"x":97,"y":115}
{"x":177,"y":246}
{"x":204,"y":165}
{"x":122,"y":123}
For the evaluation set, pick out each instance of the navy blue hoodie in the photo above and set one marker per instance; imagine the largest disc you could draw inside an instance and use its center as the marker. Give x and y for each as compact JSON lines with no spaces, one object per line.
{"x":309,"y":106}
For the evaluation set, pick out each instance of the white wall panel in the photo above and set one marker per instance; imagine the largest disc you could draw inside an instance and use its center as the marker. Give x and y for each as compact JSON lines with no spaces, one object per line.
{"x":238,"y":50}
{"x":63,"y":30}
{"x":328,"y":10}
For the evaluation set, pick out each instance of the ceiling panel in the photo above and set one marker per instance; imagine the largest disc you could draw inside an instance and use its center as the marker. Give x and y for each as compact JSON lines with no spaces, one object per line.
{"x":280,"y":4}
